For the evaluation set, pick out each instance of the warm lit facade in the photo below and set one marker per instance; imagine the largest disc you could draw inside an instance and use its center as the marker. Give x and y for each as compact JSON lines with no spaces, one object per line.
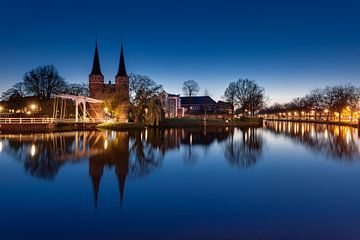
{"x":172,"y":105}
{"x":117,"y":93}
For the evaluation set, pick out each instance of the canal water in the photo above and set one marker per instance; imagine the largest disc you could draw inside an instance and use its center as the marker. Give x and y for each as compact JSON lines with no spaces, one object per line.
{"x":282,"y":181}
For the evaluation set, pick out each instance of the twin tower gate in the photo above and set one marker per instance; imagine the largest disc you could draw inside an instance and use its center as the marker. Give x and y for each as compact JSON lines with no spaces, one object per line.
{"x":63,"y":111}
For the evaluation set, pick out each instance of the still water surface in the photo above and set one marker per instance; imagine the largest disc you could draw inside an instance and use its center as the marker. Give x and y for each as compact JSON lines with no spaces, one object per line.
{"x":283,"y":181}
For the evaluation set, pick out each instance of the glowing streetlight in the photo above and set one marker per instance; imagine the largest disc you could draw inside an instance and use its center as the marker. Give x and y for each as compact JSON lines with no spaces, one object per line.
{"x":326,"y":110}
{"x":33,"y":107}
{"x":106,"y":110}
{"x":1,"y":108}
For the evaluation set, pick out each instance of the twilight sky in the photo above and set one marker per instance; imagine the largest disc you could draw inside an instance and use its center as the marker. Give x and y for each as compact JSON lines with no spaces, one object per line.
{"x":288,"y":47}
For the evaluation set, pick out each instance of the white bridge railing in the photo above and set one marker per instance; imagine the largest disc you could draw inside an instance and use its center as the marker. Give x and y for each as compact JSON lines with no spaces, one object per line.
{"x":26,"y":120}
{"x":45,"y":120}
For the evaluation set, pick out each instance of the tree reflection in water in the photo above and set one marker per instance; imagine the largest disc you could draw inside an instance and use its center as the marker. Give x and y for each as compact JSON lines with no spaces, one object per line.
{"x":244,"y":148}
{"x":337,"y":142}
{"x":131,"y":154}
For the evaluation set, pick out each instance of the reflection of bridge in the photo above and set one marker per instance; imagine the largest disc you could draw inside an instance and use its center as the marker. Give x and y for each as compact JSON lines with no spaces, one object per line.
{"x":44,"y":154}
{"x":65,"y":146}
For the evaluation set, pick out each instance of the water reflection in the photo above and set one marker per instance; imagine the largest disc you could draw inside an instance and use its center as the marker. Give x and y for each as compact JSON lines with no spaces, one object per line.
{"x":246,"y":150}
{"x":337,"y":142}
{"x":131,"y":154}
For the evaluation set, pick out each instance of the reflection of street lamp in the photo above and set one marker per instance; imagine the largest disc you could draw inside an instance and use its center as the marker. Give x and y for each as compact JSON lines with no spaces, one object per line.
{"x":33,"y":150}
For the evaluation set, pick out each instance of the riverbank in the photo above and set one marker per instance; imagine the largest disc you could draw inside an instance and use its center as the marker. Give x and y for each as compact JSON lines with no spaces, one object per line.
{"x":120,"y":126}
{"x":166,"y":123}
{"x":184,"y":123}
{"x":348,"y":124}
{"x":28,"y":128}
{"x":192,"y":122}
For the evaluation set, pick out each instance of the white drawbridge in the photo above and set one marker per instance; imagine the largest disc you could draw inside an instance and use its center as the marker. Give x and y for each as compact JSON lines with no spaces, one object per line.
{"x":81,"y":115}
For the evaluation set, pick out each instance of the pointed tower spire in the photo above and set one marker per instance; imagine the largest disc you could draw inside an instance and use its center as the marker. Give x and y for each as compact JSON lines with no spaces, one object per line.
{"x":121,"y":180}
{"x":96,"y":186}
{"x":122,"y":69}
{"x":96,"y":70}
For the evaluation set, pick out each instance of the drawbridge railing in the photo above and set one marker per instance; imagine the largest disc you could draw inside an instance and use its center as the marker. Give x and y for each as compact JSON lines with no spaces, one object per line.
{"x":46,"y":120}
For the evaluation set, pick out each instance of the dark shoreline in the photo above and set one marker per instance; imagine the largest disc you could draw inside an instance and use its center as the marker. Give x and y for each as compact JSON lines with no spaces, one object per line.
{"x":167,"y":123}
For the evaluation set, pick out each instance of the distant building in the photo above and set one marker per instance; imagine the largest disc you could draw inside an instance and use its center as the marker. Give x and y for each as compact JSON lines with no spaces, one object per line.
{"x":118,"y":92}
{"x":198,"y":104}
{"x":18,"y":105}
{"x":224,"y":107}
{"x":172,"y":105}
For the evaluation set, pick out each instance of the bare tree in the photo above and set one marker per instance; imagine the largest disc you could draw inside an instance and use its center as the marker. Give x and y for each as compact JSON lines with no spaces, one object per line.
{"x":230,"y":96}
{"x":315,"y":101}
{"x":250,"y":95}
{"x":77,"y":89}
{"x":44,"y":82}
{"x":145,"y":99}
{"x":190,"y":88}
{"x":329,"y":100}
{"x":15,"y":91}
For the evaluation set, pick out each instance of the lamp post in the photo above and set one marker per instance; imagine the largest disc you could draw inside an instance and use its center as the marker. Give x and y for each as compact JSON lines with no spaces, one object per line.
{"x":33,"y":108}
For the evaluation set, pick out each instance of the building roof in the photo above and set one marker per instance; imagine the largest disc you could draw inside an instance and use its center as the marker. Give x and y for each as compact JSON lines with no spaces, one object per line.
{"x":96,"y":70}
{"x":197,"y":100}
{"x":122,"y":69}
{"x":222,"y":103}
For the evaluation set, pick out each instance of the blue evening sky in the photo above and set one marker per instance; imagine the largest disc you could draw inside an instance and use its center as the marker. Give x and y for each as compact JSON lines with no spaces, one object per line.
{"x":288,"y":47}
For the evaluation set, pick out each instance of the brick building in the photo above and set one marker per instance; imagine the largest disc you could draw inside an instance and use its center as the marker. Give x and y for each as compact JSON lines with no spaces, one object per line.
{"x":117,"y":93}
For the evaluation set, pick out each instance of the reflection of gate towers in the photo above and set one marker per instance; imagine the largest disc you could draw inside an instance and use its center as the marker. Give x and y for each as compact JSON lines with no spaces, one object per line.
{"x":115,"y":154}
{"x":117,"y":93}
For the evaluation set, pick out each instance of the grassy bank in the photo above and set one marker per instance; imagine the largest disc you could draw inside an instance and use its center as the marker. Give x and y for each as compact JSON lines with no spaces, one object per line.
{"x":192,"y":122}
{"x":120,"y":126}
{"x":184,"y":123}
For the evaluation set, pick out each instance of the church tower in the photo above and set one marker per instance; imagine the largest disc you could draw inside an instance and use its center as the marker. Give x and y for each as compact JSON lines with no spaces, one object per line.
{"x":96,"y":87}
{"x":96,"y":79}
{"x":122,"y":89}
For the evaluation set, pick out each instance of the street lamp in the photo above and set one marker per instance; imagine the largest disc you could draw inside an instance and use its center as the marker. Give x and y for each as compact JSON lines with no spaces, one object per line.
{"x":33,"y":107}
